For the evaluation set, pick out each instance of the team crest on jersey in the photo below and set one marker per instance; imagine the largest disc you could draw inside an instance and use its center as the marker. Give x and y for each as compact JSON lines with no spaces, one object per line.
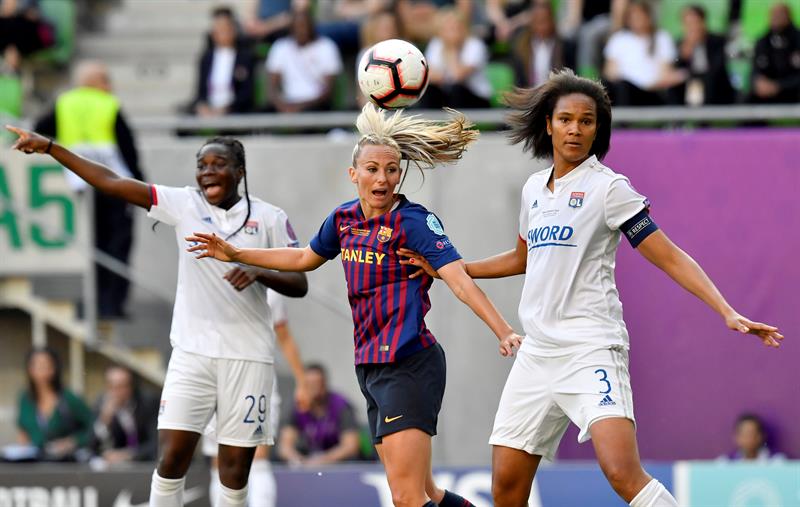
{"x":576,"y":199}
{"x":434,"y":224}
{"x":384,"y":234}
{"x":251,"y":227}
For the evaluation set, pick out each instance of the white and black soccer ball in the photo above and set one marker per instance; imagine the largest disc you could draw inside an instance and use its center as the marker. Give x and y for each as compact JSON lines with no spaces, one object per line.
{"x":393,"y":74}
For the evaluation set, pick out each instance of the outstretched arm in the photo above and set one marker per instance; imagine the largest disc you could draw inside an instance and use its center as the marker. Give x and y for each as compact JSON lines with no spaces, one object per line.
{"x":282,"y":259}
{"x":509,"y":263}
{"x":658,"y":249}
{"x":455,"y":276}
{"x":97,"y":175}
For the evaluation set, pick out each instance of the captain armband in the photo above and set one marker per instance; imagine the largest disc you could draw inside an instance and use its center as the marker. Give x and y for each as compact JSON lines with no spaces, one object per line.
{"x":637,"y":228}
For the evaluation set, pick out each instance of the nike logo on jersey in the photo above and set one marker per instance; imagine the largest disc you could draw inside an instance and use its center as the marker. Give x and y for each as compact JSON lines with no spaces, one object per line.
{"x":343,"y":228}
{"x":550,"y":235}
{"x":388,"y":419}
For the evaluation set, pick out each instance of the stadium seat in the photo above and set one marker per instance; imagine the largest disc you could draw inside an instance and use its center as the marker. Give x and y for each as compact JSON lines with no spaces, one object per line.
{"x":501,"y":76}
{"x":755,"y":17}
{"x":10,"y":96}
{"x":717,"y":14}
{"x":62,"y":14}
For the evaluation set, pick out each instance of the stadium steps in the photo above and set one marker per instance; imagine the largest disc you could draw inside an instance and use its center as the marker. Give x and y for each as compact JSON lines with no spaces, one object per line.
{"x":152,"y":49}
{"x":17,"y":293}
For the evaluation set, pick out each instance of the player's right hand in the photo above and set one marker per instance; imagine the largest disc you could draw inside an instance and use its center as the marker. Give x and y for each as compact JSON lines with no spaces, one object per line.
{"x":211,"y":245}
{"x":28,"y":142}
{"x":509,"y":344}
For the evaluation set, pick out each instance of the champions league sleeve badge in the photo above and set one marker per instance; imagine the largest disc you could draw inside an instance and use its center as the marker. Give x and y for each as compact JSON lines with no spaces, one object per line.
{"x":576,"y":199}
{"x":434,"y":225}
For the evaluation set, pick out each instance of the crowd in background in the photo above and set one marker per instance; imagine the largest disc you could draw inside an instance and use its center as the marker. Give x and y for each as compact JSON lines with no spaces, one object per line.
{"x":476,"y":50}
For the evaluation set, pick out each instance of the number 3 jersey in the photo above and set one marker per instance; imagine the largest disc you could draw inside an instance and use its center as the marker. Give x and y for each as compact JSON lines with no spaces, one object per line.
{"x":570,"y":300}
{"x":388,"y":308}
{"x":211,"y":318}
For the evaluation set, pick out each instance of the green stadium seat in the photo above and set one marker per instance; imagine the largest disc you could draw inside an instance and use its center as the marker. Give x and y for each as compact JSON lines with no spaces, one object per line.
{"x":755,"y":17}
{"x":62,"y":14}
{"x":501,"y":76}
{"x":10,"y":96}
{"x":717,"y":15}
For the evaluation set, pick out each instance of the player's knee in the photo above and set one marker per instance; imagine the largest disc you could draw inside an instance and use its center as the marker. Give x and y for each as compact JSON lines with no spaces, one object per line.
{"x":624,"y":479}
{"x":171,"y":465}
{"x":405,"y":497}
{"x":507,"y":491}
{"x":233,"y":474}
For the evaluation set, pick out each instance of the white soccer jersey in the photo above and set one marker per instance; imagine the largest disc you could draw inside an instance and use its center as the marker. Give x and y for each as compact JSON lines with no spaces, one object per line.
{"x":277,"y":305}
{"x":570,"y":301}
{"x":210,"y":317}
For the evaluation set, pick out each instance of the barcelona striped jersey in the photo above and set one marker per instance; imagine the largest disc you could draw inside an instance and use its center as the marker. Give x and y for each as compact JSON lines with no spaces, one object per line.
{"x":388,"y":308}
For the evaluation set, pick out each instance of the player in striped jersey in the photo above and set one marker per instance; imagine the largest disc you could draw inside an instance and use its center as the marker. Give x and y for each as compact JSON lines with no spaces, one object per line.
{"x":399,"y":364}
{"x":573,"y":364}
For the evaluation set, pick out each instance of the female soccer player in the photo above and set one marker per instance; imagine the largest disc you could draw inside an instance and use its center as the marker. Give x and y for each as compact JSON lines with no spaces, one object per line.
{"x":221,"y":334}
{"x":399,"y":365}
{"x":573,"y":363}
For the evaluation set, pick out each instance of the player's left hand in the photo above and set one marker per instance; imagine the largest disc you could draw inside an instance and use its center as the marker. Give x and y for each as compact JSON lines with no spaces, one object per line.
{"x":241,"y":278}
{"x":211,"y":245}
{"x":509,"y":344}
{"x":769,"y":335}
{"x":416,"y":260}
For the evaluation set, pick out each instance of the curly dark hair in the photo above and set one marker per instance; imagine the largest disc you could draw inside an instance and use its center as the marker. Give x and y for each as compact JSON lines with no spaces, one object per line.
{"x":532,"y":107}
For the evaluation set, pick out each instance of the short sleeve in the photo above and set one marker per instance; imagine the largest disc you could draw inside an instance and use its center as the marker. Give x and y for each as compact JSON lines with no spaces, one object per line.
{"x":622,"y":202}
{"x":282,"y":234}
{"x":613,"y":47}
{"x":331,"y":58}
{"x":168,"y":203}
{"x":326,"y":242}
{"x":475,"y":53}
{"x":425,"y":235}
{"x":277,"y":305}
{"x":275,"y":57}
{"x":667,"y":52}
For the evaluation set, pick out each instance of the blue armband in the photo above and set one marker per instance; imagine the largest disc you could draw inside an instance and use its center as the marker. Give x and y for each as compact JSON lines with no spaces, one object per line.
{"x":638,"y":227}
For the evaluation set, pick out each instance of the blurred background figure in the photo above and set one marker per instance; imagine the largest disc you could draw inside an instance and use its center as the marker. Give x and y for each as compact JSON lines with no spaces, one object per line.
{"x":109,"y":141}
{"x":381,"y":26}
{"x":587,"y":25}
{"x":302,"y":68}
{"x":51,"y":417}
{"x":506,"y":17}
{"x":751,"y":438}
{"x":702,"y":55}
{"x":270,"y":19}
{"x":22,"y":32}
{"x":776,"y":63}
{"x":325,"y":433}
{"x":639,"y":61}
{"x":225,"y":72}
{"x":457,"y":63}
{"x":343,"y":21}
{"x":418,"y":18}
{"x":538,"y":48}
{"x":125,"y":420}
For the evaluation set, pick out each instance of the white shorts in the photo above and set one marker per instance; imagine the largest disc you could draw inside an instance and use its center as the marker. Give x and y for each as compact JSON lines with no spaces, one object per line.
{"x":238,"y":391}
{"x":210,"y":444}
{"x":543,"y":394}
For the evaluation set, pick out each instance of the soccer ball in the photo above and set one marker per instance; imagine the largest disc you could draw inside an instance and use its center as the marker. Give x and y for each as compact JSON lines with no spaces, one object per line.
{"x":393,"y":74}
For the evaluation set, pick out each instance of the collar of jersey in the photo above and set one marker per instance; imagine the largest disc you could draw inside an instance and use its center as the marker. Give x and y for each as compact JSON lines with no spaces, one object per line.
{"x":236,"y":208}
{"x":401,"y":202}
{"x":560,"y":183}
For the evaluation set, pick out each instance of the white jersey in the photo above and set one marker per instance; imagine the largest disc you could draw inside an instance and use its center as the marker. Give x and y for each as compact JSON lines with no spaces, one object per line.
{"x":210,"y":317}
{"x":570,"y":301}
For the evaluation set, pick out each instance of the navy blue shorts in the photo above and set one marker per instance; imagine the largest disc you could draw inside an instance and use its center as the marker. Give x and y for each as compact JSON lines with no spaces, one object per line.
{"x":405,"y":394}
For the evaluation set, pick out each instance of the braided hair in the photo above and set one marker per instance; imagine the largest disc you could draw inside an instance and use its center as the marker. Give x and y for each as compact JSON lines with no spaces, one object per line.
{"x":235,"y":148}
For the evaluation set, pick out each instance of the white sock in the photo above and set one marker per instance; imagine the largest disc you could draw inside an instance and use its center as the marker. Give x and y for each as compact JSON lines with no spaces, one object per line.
{"x":213,"y":487}
{"x":166,"y":492}
{"x":654,"y":494}
{"x":228,"y":497}
{"x":261,"y":484}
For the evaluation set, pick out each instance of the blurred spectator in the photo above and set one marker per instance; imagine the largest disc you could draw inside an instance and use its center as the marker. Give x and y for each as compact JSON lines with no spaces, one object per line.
{"x":703,"y":56}
{"x":506,"y":17}
{"x":125,"y":420}
{"x":343,"y":20}
{"x":88,"y":120}
{"x":51,"y":417}
{"x":22,"y":31}
{"x":270,"y":19}
{"x":379,"y":27}
{"x":457,"y":63}
{"x":587,"y":24}
{"x":418,"y":18}
{"x":302,"y":68}
{"x":326,"y":433}
{"x":750,"y":437}
{"x":225,"y":72}
{"x":639,"y":60}
{"x":538,"y":49}
{"x":776,"y":64}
